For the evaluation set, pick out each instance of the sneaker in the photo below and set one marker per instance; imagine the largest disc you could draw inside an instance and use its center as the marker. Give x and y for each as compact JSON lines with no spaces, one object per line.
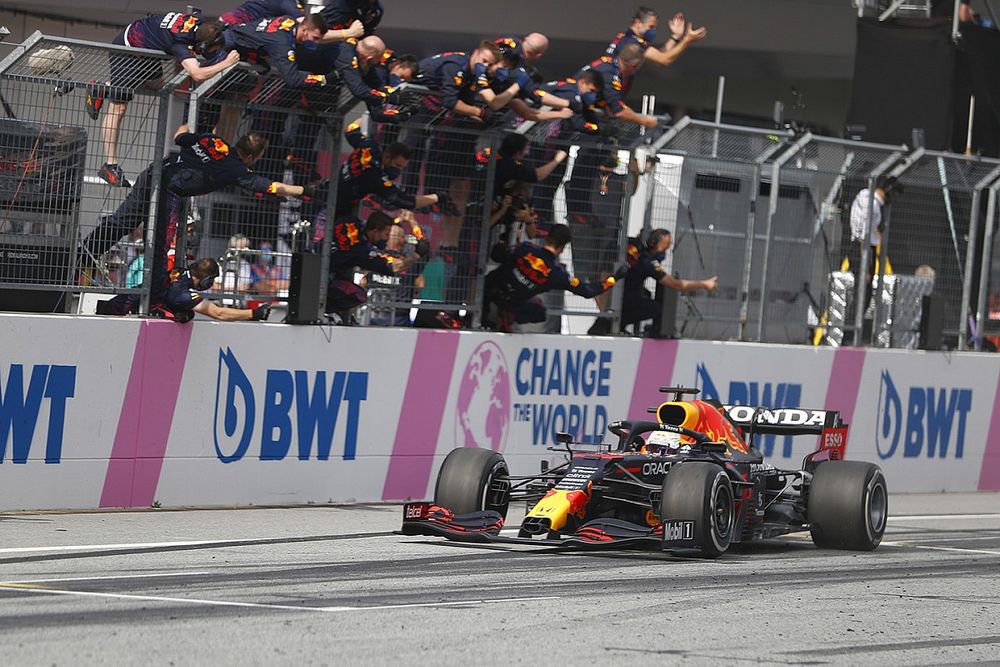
{"x":112,"y":174}
{"x":95,"y":99}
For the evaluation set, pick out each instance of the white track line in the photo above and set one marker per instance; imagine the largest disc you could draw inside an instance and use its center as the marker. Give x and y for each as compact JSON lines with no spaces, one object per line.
{"x":27,"y":588}
{"x":928,"y":547}
{"x":937,"y":517}
{"x":105,"y":578}
{"x":136,"y":545}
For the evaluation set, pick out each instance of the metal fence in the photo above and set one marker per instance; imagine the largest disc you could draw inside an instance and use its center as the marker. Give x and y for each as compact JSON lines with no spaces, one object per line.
{"x":52,"y":195}
{"x":768,"y":211}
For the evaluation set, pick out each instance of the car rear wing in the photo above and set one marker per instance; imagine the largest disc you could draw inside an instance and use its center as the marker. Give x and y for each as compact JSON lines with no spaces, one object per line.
{"x":784,"y":421}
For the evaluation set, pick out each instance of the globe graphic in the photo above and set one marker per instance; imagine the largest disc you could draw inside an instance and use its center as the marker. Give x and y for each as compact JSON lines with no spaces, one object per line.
{"x":483,"y":411}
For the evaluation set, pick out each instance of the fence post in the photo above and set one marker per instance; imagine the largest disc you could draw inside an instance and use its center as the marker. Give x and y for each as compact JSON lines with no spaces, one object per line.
{"x":772,"y":208}
{"x":984,"y":272}
{"x":977,"y":191}
{"x":486,"y":233}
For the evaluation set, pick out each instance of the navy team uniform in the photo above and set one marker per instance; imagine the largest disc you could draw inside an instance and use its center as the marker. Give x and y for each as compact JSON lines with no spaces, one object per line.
{"x":271,"y":42}
{"x":252,"y":11}
{"x":624,"y":39}
{"x":586,"y":125}
{"x":204,"y":164}
{"x":365,"y":83}
{"x":362,"y":174}
{"x":349,"y":248}
{"x":637,"y":303}
{"x":525,"y":273}
{"x":452,"y":153}
{"x":340,"y":14}
{"x":172,"y":33}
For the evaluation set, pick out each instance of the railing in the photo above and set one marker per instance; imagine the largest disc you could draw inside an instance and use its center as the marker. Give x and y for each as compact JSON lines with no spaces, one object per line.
{"x":767,"y":211}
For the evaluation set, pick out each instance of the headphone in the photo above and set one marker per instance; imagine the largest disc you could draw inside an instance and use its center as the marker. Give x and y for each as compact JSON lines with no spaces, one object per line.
{"x":205,"y":282}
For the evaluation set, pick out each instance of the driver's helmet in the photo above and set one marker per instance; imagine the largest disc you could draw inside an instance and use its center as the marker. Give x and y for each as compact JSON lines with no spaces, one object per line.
{"x":662,"y":443}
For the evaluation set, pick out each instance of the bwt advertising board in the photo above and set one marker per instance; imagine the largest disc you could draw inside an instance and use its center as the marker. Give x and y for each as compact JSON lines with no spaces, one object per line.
{"x":103,"y":412}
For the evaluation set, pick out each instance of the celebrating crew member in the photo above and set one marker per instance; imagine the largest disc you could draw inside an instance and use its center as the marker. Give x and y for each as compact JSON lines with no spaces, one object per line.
{"x":252,"y":11}
{"x":272,"y":42}
{"x":354,"y":245}
{"x":642,"y":33}
{"x":371,"y":171}
{"x":205,"y":163}
{"x":343,"y":14}
{"x":183,"y":297}
{"x":614,"y":70}
{"x":513,"y":288}
{"x":183,"y":36}
{"x":529,"y":48}
{"x":645,"y":261}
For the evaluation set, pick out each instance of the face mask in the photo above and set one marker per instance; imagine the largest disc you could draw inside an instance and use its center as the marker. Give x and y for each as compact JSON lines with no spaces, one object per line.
{"x":650,"y":35}
{"x":588,"y":99}
{"x":392,"y":173}
{"x":480,"y":70}
{"x":266,"y":257}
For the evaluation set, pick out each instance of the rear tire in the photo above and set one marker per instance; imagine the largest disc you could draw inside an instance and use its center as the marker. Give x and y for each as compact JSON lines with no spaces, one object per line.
{"x":472,"y":480}
{"x":848,"y":505}
{"x":701,"y":492}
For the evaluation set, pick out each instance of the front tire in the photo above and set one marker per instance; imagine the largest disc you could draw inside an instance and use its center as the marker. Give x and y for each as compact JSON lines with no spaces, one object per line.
{"x":848,"y":505}
{"x":473,"y":480}
{"x":701,"y":492}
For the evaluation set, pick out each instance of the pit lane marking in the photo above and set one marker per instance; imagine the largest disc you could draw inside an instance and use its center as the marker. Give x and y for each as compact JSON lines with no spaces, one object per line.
{"x":32,"y":588}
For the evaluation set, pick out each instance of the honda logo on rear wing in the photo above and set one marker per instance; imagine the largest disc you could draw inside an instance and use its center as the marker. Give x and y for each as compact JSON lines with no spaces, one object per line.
{"x":784,"y":421}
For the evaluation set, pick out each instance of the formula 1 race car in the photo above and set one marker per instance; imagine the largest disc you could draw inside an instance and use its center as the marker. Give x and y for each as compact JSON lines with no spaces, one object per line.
{"x":692,"y":481}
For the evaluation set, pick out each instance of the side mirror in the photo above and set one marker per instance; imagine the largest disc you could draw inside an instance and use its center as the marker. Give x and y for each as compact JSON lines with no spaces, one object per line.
{"x":564,"y":438}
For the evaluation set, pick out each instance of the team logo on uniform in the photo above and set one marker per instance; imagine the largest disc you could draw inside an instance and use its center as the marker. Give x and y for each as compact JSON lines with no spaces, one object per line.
{"x":347,"y":236}
{"x":616,"y":83}
{"x":216,"y":147}
{"x":316,"y":79}
{"x":365,"y":158}
{"x":291,"y":55}
{"x":534,"y":268}
{"x":190,"y":23}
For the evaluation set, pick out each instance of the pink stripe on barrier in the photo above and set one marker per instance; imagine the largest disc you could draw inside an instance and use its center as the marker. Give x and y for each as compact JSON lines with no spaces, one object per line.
{"x":420,"y":419}
{"x":845,"y":382}
{"x":655,"y":370}
{"x":147,"y":415}
{"x":989,"y":473}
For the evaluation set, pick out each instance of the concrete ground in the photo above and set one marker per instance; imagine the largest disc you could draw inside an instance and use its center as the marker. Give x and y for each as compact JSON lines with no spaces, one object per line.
{"x":334,"y":585}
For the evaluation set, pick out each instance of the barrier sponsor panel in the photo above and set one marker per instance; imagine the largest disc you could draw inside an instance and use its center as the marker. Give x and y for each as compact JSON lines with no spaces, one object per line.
{"x":102,"y":412}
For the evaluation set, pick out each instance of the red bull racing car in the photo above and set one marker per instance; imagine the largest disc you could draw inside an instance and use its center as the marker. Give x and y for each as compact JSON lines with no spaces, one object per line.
{"x":691,"y":481}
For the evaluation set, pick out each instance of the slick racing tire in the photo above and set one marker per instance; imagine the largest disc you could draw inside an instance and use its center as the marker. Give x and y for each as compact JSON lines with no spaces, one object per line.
{"x":848,"y":505}
{"x":472,"y":480}
{"x":701,"y":492}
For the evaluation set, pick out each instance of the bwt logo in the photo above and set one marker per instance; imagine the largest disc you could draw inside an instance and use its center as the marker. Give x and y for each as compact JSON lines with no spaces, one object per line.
{"x":757,"y":395}
{"x":930,"y":418}
{"x":292,"y":405}
{"x":20,"y":407}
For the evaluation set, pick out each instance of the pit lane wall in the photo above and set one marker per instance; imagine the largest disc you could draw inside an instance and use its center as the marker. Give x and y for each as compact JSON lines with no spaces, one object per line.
{"x":102,"y":412}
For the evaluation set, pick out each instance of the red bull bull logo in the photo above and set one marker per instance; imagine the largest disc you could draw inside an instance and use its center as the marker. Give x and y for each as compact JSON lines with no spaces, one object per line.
{"x":217,"y":148}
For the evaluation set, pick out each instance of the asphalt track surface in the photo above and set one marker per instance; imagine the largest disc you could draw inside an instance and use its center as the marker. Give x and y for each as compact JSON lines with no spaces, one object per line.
{"x":334,"y":585}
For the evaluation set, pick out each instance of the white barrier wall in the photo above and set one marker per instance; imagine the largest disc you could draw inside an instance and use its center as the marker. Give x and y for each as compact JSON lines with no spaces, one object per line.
{"x":105,"y":412}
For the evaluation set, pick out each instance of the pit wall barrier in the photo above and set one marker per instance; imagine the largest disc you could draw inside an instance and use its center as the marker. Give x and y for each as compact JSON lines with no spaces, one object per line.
{"x":102,"y":412}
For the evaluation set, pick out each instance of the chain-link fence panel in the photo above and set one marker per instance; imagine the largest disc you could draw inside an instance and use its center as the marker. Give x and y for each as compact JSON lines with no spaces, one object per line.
{"x":81,"y":122}
{"x":253,"y":237}
{"x":707,"y":191}
{"x":927,"y":240}
{"x":814,"y":249}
